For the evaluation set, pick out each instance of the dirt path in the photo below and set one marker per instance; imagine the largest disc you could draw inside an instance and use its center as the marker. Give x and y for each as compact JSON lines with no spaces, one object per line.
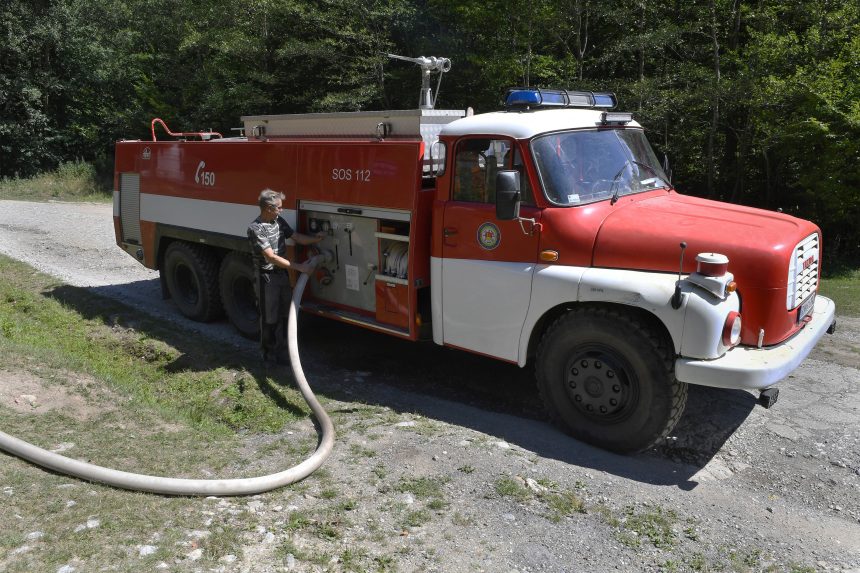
{"x":737,"y":487}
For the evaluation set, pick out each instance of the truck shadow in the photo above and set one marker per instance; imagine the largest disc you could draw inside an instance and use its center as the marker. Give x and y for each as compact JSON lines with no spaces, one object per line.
{"x":485,"y":395}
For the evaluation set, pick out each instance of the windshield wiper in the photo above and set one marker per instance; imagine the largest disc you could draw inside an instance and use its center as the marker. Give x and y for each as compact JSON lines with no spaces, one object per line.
{"x":615,"y":181}
{"x":615,"y":191}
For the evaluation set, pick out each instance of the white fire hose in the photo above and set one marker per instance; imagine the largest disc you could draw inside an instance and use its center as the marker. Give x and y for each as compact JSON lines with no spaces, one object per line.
{"x":179,"y":486}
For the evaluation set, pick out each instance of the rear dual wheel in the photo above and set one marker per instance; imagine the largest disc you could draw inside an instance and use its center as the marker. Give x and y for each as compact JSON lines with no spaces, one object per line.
{"x":203,"y":289}
{"x":191,"y":272}
{"x":236,"y":279}
{"x":608,"y":379}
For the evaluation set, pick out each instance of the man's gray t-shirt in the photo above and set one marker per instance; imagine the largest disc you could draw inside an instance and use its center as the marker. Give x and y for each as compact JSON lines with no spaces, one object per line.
{"x":264,"y":235}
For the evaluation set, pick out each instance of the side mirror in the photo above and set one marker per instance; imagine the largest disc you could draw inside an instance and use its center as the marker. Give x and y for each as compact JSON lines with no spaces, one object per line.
{"x":507,"y":195}
{"x":666,"y":169}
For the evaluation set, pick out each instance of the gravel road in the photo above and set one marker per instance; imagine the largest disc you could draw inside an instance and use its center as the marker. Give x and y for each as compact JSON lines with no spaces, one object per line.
{"x":737,"y":487}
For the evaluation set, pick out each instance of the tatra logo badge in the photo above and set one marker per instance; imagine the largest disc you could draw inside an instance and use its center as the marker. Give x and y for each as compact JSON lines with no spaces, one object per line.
{"x":146,"y":153}
{"x":489,"y":236}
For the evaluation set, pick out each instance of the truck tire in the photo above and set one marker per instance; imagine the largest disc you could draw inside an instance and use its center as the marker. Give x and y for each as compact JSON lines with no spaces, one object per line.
{"x":236,"y":280}
{"x":191,"y":273}
{"x":608,"y":380}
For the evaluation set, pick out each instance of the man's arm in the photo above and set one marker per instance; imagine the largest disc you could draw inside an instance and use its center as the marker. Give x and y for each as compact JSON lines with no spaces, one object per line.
{"x":303,"y":239}
{"x":283,"y":263}
{"x":300,"y":238}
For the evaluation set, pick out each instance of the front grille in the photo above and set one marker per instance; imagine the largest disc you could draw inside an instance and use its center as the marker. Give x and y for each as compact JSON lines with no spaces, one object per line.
{"x":803,"y":271}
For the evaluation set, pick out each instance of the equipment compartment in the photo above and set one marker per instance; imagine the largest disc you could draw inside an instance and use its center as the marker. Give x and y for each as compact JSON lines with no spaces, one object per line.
{"x":392,"y":280}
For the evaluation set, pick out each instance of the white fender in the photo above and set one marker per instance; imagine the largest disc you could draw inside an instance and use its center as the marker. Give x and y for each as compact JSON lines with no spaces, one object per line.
{"x":695,"y":328}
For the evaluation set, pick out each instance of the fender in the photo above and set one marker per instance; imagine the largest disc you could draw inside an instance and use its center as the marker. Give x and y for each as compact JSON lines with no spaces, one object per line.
{"x":695,"y":327}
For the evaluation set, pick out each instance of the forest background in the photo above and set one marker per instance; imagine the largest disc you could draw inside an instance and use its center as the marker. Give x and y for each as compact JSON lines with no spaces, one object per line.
{"x":753,"y":101}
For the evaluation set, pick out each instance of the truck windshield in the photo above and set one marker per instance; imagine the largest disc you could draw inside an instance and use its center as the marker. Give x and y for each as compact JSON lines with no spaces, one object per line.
{"x":578,"y":167}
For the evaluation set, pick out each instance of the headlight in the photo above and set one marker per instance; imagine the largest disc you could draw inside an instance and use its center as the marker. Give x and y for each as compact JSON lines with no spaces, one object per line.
{"x":732,"y":329}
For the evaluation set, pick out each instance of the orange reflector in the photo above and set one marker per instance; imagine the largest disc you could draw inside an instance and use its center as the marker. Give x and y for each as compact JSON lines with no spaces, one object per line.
{"x":549,"y":256}
{"x":731,"y":287}
{"x":418,"y":320}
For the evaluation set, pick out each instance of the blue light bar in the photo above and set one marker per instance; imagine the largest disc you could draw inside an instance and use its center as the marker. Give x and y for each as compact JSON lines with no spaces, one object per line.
{"x":522,"y":98}
{"x":606,"y":100}
{"x":536,"y":98}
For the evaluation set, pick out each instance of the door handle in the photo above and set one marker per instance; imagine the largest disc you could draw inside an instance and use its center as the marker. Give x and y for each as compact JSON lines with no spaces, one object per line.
{"x":448,"y":231}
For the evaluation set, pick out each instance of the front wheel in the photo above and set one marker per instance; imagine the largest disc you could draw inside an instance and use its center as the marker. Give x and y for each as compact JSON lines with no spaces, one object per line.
{"x":607,"y":378}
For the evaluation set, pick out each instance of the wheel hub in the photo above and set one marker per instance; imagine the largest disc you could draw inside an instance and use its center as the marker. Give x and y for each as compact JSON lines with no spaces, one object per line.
{"x":597,"y":385}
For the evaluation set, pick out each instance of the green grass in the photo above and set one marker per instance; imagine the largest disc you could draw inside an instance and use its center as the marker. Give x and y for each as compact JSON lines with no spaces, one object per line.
{"x":135,"y":396}
{"x":429,"y":487}
{"x":562,"y":505}
{"x":509,"y":487}
{"x":71,"y":181}
{"x":844,"y":289}
{"x":653,"y":524}
{"x":191,"y":380}
{"x":415,"y":518}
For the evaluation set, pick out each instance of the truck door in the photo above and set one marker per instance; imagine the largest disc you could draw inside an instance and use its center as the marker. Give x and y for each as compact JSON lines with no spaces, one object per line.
{"x":487,"y":264}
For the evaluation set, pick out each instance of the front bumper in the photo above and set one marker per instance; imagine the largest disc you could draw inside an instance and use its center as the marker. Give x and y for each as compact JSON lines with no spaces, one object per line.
{"x":750,"y":368}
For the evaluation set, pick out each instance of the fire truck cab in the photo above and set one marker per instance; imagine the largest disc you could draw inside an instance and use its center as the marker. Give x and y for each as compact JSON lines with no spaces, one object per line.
{"x":547,"y":231}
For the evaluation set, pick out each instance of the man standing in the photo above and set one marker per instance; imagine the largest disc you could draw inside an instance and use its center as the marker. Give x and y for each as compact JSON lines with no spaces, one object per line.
{"x":268,"y":235}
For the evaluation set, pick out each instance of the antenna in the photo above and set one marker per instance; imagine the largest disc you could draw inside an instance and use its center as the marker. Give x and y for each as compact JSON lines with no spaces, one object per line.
{"x":676,"y":298}
{"x":428,"y":65}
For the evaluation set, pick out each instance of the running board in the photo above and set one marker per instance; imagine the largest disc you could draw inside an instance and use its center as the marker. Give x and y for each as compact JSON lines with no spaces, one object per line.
{"x":353,"y":318}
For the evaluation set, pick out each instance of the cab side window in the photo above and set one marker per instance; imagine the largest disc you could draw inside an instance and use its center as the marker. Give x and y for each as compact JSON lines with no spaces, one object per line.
{"x":475,"y":166}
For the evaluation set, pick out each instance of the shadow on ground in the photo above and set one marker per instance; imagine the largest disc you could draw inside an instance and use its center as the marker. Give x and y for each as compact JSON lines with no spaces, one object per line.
{"x":353,"y":364}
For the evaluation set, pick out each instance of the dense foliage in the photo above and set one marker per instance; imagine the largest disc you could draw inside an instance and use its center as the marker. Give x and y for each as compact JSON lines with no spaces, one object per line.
{"x":754,"y":102}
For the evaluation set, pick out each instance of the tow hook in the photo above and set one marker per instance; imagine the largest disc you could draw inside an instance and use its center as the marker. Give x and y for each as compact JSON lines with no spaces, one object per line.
{"x":832,"y":328}
{"x":767,"y":398}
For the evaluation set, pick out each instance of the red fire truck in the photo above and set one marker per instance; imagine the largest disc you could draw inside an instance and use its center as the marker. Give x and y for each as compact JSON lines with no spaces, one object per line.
{"x":547,"y":231}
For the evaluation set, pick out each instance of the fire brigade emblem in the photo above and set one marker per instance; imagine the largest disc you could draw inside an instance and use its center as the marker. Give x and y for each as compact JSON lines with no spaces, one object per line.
{"x":489,"y":236}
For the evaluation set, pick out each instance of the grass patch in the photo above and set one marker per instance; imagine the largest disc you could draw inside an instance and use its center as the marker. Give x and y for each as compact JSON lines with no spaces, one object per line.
{"x":312,"y":556}
{"x":379,"y":471}
{"x":415,"y":518}
{"x":563,"y":504}
{"x":297,"y":521}
{"x":222,"y":540}
{"x":361,"y":452}
{"x":71,"y":181}
{"x":559,"y":504}
{"x":430,"y":487}
{"x":187,"y":379}
{"x":844,"y":289}
{"x":509,"y":487}
{"x":135,"y":395}
{"x":653,"y":524}
{"x":463,"y":520}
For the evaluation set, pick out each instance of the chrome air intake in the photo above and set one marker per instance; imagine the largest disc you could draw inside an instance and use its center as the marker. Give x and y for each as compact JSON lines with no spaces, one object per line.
{"x":803,"y":271}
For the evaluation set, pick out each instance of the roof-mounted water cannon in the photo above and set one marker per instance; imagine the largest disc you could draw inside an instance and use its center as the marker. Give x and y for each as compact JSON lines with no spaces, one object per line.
{"x":428,"y":66}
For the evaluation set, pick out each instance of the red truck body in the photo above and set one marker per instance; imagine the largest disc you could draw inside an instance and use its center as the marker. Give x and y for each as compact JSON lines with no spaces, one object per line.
{"x":420,"y":250}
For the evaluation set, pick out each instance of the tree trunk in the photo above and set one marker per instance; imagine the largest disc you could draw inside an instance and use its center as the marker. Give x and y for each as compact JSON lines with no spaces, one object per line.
{"x":581,"y":36}
{"x":642,"y":8}
{"x":715,"y":102}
